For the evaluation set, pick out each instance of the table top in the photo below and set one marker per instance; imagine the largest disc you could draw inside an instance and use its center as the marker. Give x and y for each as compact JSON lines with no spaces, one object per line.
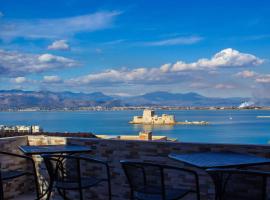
{"x":219,"y":159}
{"x":52,"y":149}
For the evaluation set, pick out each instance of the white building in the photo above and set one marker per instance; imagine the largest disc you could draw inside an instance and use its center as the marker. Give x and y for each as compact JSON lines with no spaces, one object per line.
{"x":21,"y":129}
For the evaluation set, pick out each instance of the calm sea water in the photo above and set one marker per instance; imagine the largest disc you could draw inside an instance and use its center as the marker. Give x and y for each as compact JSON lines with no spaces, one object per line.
{"x":227,"y":126}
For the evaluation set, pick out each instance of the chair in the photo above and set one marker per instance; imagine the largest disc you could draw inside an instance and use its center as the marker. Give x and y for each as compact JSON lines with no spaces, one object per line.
{"x":147,"y":181}
{"x":239,"y":183}
{"x":66,"y":173}
{"x":8,"y":174}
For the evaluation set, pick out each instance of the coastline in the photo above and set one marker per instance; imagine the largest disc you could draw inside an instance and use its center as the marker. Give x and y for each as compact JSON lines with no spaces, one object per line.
{"x":214,"y":108}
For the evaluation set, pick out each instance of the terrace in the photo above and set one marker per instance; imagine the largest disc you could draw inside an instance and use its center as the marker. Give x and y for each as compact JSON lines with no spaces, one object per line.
{"x":115,"y":150}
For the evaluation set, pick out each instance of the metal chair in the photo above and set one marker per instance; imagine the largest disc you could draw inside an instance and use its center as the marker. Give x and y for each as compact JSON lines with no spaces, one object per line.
{"x":66,"y":173}
{"x":147,"y":181}
{"x":239,"y":183}
{"x":8,"y":174}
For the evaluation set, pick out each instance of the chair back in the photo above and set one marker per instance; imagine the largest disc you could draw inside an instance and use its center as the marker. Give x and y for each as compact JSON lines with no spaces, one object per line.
{"x":63,"y":168}
{"x":144,"y":176}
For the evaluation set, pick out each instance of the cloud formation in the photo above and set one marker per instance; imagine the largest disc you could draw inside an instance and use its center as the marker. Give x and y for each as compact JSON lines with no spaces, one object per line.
{"x":263,"y":78}
{"x":56,"y":28}
{"x":19,"y":80}
{"x":225,"y":58}
{"x":175,"y":41}
{"x":171,"y":73}
{"x":133,"y":76}
{"x":224,"y":86}
{"x":246,"y":74}
{"x":1,"y":14}
{"x":52,"y":79}
{"x":15,"y":63}
{"x":59,"y":45}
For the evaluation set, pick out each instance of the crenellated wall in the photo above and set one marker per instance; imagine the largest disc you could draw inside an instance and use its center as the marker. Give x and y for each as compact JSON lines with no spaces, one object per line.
{"x":115,"y":150}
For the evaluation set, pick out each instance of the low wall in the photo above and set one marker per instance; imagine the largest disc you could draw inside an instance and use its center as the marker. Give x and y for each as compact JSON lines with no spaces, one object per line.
{"x":153,"y":151}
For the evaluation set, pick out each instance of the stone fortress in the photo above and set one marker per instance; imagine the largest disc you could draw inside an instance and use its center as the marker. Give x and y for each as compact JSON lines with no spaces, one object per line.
{"x":149,"y":117}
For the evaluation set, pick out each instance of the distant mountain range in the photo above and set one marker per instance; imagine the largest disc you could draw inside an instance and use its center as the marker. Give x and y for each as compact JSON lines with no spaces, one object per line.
{"x":18,"y":99}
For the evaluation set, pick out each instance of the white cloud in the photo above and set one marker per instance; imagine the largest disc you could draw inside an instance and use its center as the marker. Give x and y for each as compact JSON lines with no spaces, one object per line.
{"x":15,"y":63}
{"x":225,"y":58}
{"x":199,"y":85}
{"x":246,"y":74}
{"x":56,"y":28}
{"x":20,"y":79}
{"x":175,"y":41}
{"x":134,"y":76}
{"x":263,"y":78}
{"x":52,"y":79}
{"x":59,"y":45}
{"x":224,"y":86}
{"x":114,"y":42}
{"x":165,"y":68}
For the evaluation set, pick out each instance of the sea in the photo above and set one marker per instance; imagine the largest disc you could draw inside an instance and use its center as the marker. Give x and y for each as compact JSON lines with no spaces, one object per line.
{"x":225,"y":126}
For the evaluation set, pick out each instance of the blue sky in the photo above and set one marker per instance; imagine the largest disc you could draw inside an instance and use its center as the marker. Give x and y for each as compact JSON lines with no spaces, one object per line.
{"x":124,"y":47}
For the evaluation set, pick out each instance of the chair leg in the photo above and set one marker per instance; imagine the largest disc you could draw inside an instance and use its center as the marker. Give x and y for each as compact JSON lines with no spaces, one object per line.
{"x":49,"y":192}
{"x":132,"y":195}
{"x":1,"y":190}
{"x":109,"y":190}
{"x":37,"y":186}
{"x":64,"y":193}
{"x":81,"y":194}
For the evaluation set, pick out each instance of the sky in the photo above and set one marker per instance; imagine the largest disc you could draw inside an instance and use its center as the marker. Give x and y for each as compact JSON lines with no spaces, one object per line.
{"x":126,"y":47}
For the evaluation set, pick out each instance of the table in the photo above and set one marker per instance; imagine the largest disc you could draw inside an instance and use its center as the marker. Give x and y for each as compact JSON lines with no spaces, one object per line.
{"x":54,"y":149}
{"x":208,"y":160}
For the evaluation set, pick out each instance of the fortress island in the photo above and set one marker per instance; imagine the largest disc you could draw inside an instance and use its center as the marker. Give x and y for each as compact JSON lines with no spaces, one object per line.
{"x":149,"y":117}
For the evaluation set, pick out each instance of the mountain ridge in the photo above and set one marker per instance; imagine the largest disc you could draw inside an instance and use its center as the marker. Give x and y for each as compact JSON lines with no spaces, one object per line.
{"x":20,"y":99}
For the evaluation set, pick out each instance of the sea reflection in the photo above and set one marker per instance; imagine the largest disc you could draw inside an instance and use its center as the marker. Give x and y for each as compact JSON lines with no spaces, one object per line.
{"x":151,"y":127}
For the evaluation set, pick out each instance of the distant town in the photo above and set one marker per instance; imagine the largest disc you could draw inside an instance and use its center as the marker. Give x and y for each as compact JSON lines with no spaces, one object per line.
{"x":119,"y":108}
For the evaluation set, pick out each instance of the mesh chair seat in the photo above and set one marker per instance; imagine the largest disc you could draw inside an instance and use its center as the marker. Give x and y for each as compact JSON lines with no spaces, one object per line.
{"x":154,"y":193}
{"x":74,"y":185}
{"x":13,"y":174}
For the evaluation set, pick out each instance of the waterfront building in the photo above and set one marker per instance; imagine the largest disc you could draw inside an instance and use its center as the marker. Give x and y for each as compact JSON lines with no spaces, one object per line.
{"x":21,"y":129}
